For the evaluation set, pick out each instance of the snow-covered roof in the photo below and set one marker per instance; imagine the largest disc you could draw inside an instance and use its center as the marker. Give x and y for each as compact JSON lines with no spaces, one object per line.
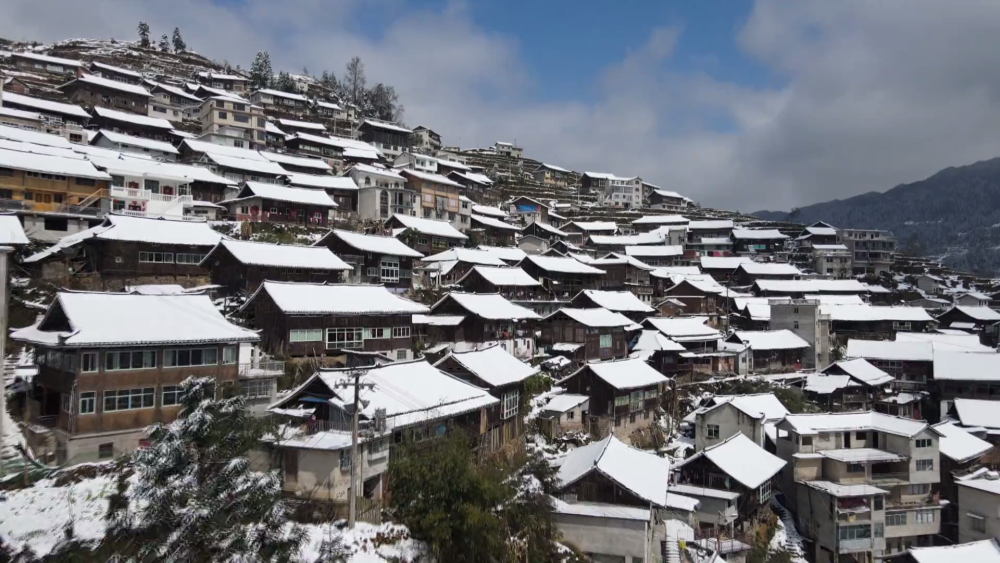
{"x":875,"y":313}
{"x":294,"y":124}
{"x":890,"y":350}
{"x":843,"y":491}
{"x":352,"y":148}
{"x":469,"y":255}
{"x":563,"y":265}
{"x":742,"y":459}
{"x":45,"y":106}
{"x":48,"y":59}
{"x":280,"y":94}
{"x":273,"y":129}
{"x":723,"y":262}
{"x":683,"y":328}
{"x":711,"y":225}
{"x":600,"y":510}
{"x":829,"y":247}
{"x":957,"y":444}
{"x":34,"y":162}
{"x":489,"y":306}
{"x":429,"y":177}
{"x":693,"y":491}
{"x":128,"y":319}
{"x":503,"y":277}
{"x":372,"y":243}
{"x":598,"y":226}
{"x":619,"y":301}
{"x":336,"y":299}
{"x":275,"y":192}
{"x":141,"y":142}
{"x":134,"y":119}
{"x":246,"y":165}
{"x":224,"y":150}
{"x":771,"y":339}
{"x":21,"y":114}
{"x":760,"y":405}
{"x":655,"y":341}
{"x":825,"y":384}
{"x":861,"y":370}
{"x":429,"y":226}
{"x":985,"y":551}
{"x":978,"y":413}
{"x":489,"y":211}
{"x":11,"y":230}
{"x":508,"y":253}
{"x":493,"y":364}
{"x":39,"y":149}
{"x":95,"y":80}
{"x":769,"y":269}
{"x":654,"y":251}
{"x":565,"y":402}
{"x":328,"y":105}
{"x":323,"y":181}
{"x":387,"y":126}
{"x":984,"y":314}
{"x":594,"y":317}
{"x":644,"y":474}
{"x":552,"y":167}
{"x":367,"y":168}
{"x":810,"y":424}
{"x":280,"y":255}
{"x":812,"y":286}
{"x":138,"y":165}
{"x":179,"y":92}
{"x":668,"y":271}
{"x":661,"y":220}
{"x":859,"y":455}
{"x":758,"y":234}
{"x":117,"y":69}
{"x":298,"y":161}
{"x":494,"y":223}
{"x":966,"y":366}
{"x":651,"y":238}
{"x":954,"y":342}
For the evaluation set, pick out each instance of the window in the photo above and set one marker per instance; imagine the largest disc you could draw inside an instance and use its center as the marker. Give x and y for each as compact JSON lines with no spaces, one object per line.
{"x":855,"y":532}
{"x":855,"y":468}
{"x":795,"y":325}
{"x":764,"y":491}
{"x":976,"y":522}
{"x":106,"y":451}
{"x":223,"y":115}
{"x":712,"y":431}
{"x":389,"y":270}
{"x":925,"y":465}
{"x":895,"y":519}
{"x":229,"y":355}
{"x":88,"y":362}
{"x":377,"y":333}
{"x":129,"y":399}
{"x":220,"y":104}
{"x":400,"y":354}
{"x":344,"y":337}
{"x":925,"y":516}
{"x":188,"y":258}
{"x":172,"y":396}
{"x":372,"y":272}
{"x":806,"y":440}
{"x":924,"y":443}
{"x":256,"y":388}
{"x":605,"y":341}
{"x":919,"y":489}
{"x":879,"y":530}
{"x":190,"y":357}
{"x":878,"y":502}
{"x":156,"y":257}
{"x":88,"y":402}
{"x":400,"y":332}
{"x":85,"y":181}
{"x":306,"y":335}
{"x":510,"y":402}
{"x":114,"y":361}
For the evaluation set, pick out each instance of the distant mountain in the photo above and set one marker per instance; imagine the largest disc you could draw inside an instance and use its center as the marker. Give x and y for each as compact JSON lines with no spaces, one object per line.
{"x":953,"y":215}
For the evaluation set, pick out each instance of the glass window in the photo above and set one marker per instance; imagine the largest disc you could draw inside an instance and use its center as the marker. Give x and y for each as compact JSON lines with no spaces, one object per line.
{"x":114,"y":361}
{"x":229,"y":355}
{"x":190,"y":357}
{"x":389,"y":270}
{"x":712,"y":431}
{"x":129,"y":399}
{"x":188,"y":258}
{"x":924,"y":443}
{"x":895,"y":519}
{"x":88,"y":402}
{"x":925,"y":465}
{"x":88,"y":362}
{"x":344,"y":337}
{"x":605,"y":341}
{"x":306,"y":335}
{"x":976,"y":522}
{"x":925,"y":517}
{"x":172,"y":395}
{"x":400,"y":332}
{"x":375,"y":333}
{"x":510,"y":403}
{"x":156,"y":257}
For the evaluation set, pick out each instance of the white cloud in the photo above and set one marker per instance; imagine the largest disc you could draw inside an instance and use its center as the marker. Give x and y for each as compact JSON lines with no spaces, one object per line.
{"x":876,"y":93}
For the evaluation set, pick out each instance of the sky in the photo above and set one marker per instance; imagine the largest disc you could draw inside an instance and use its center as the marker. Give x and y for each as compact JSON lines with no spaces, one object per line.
{"x":739,"y":104}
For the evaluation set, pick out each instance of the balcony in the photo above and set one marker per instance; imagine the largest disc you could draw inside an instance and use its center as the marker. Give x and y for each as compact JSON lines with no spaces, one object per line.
{"x":855,"y":545}
{"x":266,"y":368}
{"x":895,"y":478}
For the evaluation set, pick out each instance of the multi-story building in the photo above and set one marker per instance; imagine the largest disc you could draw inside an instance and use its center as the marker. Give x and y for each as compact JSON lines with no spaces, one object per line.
{"x":862,"y":483}
{"x":57,"y":118}
{"x":116,"y":73}
{"x":171,"y":102}
{"x":280,"y":102}
{"x":382,"y":193}
{"x":426,"y":138}
{"x":375,"y":259}
{"x":614,"y":191}
{"x":36,"y":62}
{"x":228,"y":82}
{"x":391,"y":139}
{"x":873,"y":250}
{"x":438,"y":196}
{"x":228,"y":121}
{"x":93,"y":91}
{"x":834,"y":260}
{"x":40,"y":182}
{"x":624,"y":395}
{"x":724,"y":416}
{"x":807,"y":321}
{"x":508,"y":149}
{"x":658,"y":198}
{"x":552,"y":175}
{"x":978,"y":499}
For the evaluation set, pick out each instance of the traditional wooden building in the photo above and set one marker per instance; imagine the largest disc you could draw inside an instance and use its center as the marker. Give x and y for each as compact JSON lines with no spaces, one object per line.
{"x":374,"y":259}
{"x":773,"y":350}
{"x":563,"y":276}
{"x":624,"y":302}
{"x":624,"y":395}
{"x":271,"y":203}
{"x":543,"y":231}
{"x":757,"y":241}
{"x":527,"y":210}
{"x":977,"y":317}
{"x":586,"y":334}
{"x":625,"y":273}
{"x":93,"y":91}
{"x":749,"y":272}
{"x":494,"y":231}
{"x":512,"y":283}
{"x":241,"y":266}
{"x":426,"y":235}
{"x":474,"y":320}
{"x":307,"y":319}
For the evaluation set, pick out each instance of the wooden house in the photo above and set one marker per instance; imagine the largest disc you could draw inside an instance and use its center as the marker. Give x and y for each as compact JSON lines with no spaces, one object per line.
{"x":624,"y":302}
{"x":272,"y":203}
{"x":773,"y":350}
{"x":563,"y":276}
{"x":241,"y":266}
{"x":374,"y":259}
{"x":512,"y":283}
{"x":758,"y":241}
{"x":93,"y":91}
{"x":426,"y":235}
{"x":474,"y":320}
{"x":624,"y":395}
{"x":494,"y":231}
{"x":586,"y":334}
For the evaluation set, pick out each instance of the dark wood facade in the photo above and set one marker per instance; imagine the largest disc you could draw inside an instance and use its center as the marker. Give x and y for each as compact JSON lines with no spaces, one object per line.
{"x":508,"y":429}
{"x":93,"y":95}
{"x":368,"y":265}
{"x":560,"y":328}
{"x":118,"y":259}
{"x":236,"y":277}
{"x":613,"y":404}
{"x":561,"y":284}
{"x":474,"y":282}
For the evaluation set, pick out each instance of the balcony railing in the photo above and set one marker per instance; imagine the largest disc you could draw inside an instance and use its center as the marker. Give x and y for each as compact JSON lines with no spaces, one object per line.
{"x":267,"y":368}
{"x":855,"y":545}
{"x":888,"y":478}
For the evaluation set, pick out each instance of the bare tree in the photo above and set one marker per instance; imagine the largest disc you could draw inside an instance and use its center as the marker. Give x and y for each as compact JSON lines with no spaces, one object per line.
{"x":354,"y":80}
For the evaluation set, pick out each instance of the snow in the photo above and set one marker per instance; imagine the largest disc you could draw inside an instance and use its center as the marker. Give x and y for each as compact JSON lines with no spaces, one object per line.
{"x":978,"y":413}
{"x":323,"y":181}
{"x":488,"y":306}
{"x":958,"y":444}
{"x":654,"y":251}
{"x":480,"y":179}
{"x":833,"y":299}
{"x":947,"y":342}
{"x":122,"y":139}
{"x":600,"y":510}
{"x":670,"y":271}
{"x":862,"y":455}
{"x":503,"y":277}
{"x":247,"y":165}
{"x":814,"y":286}
{"x":11,"y":230}
{"x":158,"y":231}
{"x":429,"y":177}
{"x":548,"y":228}
{"x":771,"y":339}
{"x":661,"y":220}
{"x":683,"y":328}
{"x":653,"y":238}
{"x":34,"y":137}
{"x":489,"y":211}
{"x":693,"y":491}
{"x":862,"y":371}
{"x":438,"y":320}
{"x":494,"y":223}
{"x":565,"y":402}
{"x":629,"y":373}
{"x":618,"y":301}
{"x":47,"y":59}
{"x":769,"y":269}
{"x":40,"y":149}
{"x":985,"y":551}
{"x":966,"y":366}
{"x":812,"y":424}
{"x":760,"y":405}
{"x":298,"y":161}
{"x":429,"y":226}
{"x":786,"y":537}
{"x":599,"y":226}
{"x":506,"y":253}
{"x":594,"y":318}
{"x":742,"y":459}
{"x":723,"y":262}
{"x":375,"y":244}
{"x":280,"y":94}
{"x":45,"y":106}
{"x":564,"y":265}
{"x":207,"y":148}
{"x":466,"y":255}
{"x":984,"y":314}
{"x":369,"y":169}
{"x":129,"y":165}
{"x":387,"y":126}
{"x":711,"y":225}
{"x":20,"y":114}
{"x":322,"y":299}
{"x":293,"y":124}
{"x":869,"y":313}
{"x":123,"y":319}
{"x":179,"y":92}
{"x":643,"y":473}
{"x":653,"y":341}
{"x":280,"y":255}
{"x":493,"y":365}
{"x":842,"y":491}
{"x":33,"y":162}
{"x":758,"y":234}
{"x":303,"y":196}
{"x":890,"y":350}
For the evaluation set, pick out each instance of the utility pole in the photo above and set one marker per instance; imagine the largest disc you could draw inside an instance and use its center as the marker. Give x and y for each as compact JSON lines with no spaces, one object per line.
{"x":355,"y":458}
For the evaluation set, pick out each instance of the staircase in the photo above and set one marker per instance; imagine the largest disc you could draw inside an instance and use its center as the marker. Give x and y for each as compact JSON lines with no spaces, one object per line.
{"x":793,"y":541}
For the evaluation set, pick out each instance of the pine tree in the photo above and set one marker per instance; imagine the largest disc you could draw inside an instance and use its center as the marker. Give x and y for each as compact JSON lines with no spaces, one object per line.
{"x":191,"y":495}
{"x":164,"y":42}
{"x":143,"y":35}
{"x":285,"y":83}
{"x":260,"y":71}
{"x":179,"y":45}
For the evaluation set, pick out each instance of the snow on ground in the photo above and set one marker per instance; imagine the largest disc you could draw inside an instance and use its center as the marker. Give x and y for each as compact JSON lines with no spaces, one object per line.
{"x":786,"y":537}
{"x":36,"y":518}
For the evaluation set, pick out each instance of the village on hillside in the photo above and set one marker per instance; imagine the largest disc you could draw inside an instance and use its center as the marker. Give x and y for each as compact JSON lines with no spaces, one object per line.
{"x":703,"y":385}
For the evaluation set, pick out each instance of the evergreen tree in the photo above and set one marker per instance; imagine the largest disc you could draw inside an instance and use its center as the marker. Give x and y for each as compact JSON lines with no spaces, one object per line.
{"x":354,"y":81}
{"x":164,"y":42}
{"x":285,"y":83}
{"x":260,"y":71}
{"x":144,"y":34}
{"x":381,"y":102}
{"x":179,"y":45}
{"x":191,"y":495}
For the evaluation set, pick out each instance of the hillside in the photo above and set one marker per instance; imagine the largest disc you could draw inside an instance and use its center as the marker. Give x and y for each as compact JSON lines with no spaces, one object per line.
{"x":953,"y":215}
